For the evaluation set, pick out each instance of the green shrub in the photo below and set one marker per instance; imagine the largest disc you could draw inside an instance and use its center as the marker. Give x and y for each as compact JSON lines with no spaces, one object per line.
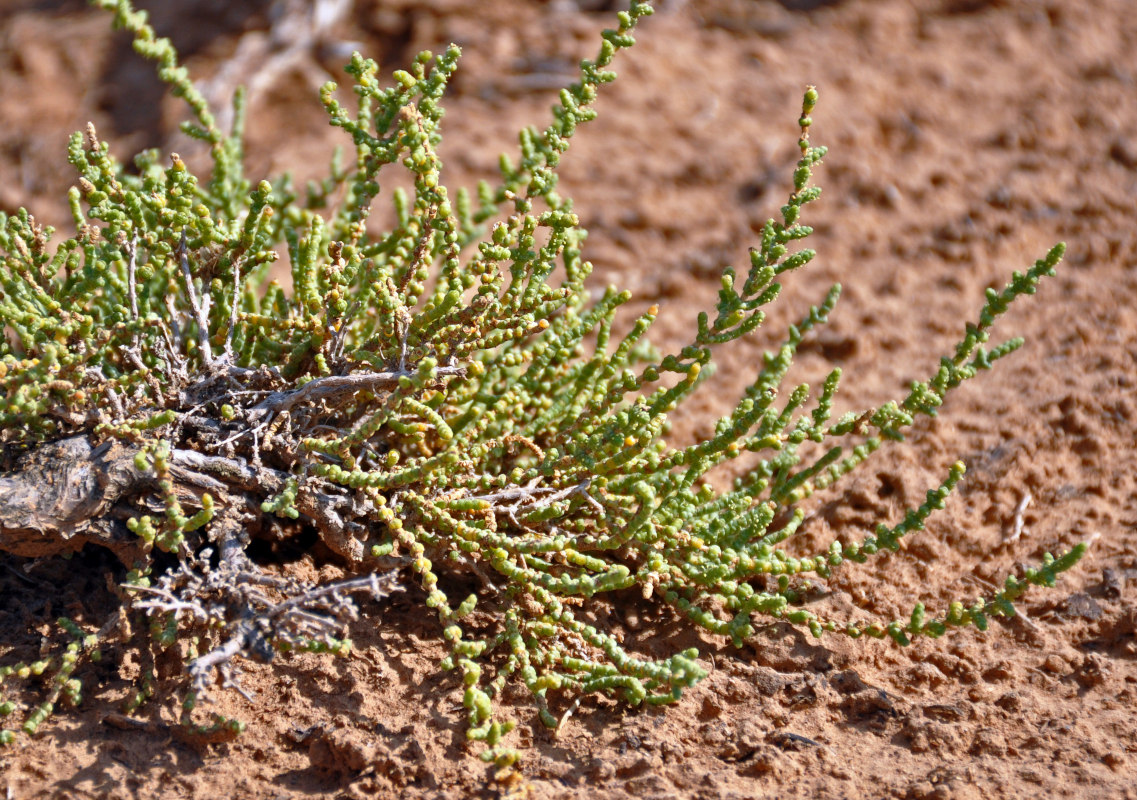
{"x":441,"y":397}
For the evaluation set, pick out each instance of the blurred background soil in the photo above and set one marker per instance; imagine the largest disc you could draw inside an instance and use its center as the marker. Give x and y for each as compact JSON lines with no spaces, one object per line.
{"x":966,"y":138}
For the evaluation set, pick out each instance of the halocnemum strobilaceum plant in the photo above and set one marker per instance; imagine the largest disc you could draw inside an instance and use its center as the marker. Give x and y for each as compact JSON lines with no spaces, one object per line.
{"x":440,"y":402}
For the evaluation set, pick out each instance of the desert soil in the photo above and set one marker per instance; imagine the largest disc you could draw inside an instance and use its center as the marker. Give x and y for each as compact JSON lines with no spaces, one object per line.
{"x":966,"y":138}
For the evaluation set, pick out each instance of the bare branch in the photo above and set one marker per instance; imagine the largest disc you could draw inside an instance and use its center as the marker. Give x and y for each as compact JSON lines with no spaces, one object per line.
{"x":200,"y":307}
{"x":132,"y":286}
{"x":335,"y":386}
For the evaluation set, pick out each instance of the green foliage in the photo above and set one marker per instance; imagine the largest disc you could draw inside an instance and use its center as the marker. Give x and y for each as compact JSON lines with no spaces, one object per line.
{"x":441,"y":396}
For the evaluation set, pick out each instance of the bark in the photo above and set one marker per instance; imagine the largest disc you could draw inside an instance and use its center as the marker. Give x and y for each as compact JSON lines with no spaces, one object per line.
{"x":66,"y":494}
{"x":58,"y":498}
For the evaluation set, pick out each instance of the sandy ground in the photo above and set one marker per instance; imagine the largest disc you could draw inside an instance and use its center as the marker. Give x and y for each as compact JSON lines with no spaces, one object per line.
{"x":966,"y":137}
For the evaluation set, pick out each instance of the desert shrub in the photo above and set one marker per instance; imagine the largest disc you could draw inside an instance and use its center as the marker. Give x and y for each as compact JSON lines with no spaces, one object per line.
{"x":438,"y":402}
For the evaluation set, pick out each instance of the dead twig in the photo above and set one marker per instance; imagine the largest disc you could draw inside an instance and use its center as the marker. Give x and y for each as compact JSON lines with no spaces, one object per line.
{"x":1020,"y":510}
